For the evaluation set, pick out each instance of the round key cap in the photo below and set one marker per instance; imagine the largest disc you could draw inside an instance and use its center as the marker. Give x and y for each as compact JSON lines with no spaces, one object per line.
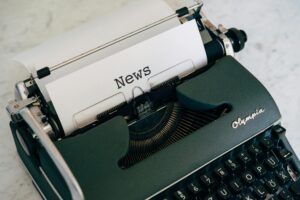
{"x":271,"y":185}
{"x":248,"y":177}
{"x":180,"y":195}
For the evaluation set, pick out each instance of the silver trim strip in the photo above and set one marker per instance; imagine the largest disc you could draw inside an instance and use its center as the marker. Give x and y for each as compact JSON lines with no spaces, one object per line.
{"x":54,"y":154}
{"x":167,"y":187}
{"x":39,"y":189}
{"x":32,"y":179}
{"x":50,"y":183}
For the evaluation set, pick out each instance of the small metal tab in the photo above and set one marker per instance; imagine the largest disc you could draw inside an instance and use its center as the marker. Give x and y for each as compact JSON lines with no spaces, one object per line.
{"x":227,"y":45}
{"x":14,"y":107}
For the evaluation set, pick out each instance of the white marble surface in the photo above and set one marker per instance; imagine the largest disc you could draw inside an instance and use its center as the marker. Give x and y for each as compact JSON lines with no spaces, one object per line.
{"x":271,"y":54}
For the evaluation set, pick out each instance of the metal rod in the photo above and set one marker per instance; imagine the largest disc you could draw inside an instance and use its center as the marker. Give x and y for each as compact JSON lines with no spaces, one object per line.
{"x":96,"y":49}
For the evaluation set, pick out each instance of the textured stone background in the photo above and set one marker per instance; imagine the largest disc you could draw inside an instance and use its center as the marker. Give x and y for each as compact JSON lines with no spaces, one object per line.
{"x":271,"y":54}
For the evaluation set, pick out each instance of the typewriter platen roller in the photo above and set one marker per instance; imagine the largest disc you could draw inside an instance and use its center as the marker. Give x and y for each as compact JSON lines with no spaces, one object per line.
{"x":137,"y":145}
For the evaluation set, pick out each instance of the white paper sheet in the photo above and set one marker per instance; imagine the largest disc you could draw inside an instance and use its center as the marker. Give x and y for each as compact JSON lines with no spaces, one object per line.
{"x":81,"y":95}
{"x":97,"y":32}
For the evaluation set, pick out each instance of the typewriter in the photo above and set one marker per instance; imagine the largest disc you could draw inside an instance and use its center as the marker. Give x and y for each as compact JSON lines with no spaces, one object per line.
{"x":149,"y":103}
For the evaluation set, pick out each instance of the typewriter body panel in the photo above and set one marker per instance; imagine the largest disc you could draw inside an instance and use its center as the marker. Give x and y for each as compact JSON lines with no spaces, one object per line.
{"x":141,"y":147}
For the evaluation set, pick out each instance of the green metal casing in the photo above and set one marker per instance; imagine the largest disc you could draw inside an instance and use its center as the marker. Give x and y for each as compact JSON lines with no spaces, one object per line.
{"x":93,"y":156}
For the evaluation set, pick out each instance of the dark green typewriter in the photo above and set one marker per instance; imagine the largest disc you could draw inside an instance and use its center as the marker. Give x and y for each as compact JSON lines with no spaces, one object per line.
{"x":162,"y":112}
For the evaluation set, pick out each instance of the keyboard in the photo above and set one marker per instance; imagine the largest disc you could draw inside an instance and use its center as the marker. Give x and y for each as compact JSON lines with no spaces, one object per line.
{"x":263,"y":167}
